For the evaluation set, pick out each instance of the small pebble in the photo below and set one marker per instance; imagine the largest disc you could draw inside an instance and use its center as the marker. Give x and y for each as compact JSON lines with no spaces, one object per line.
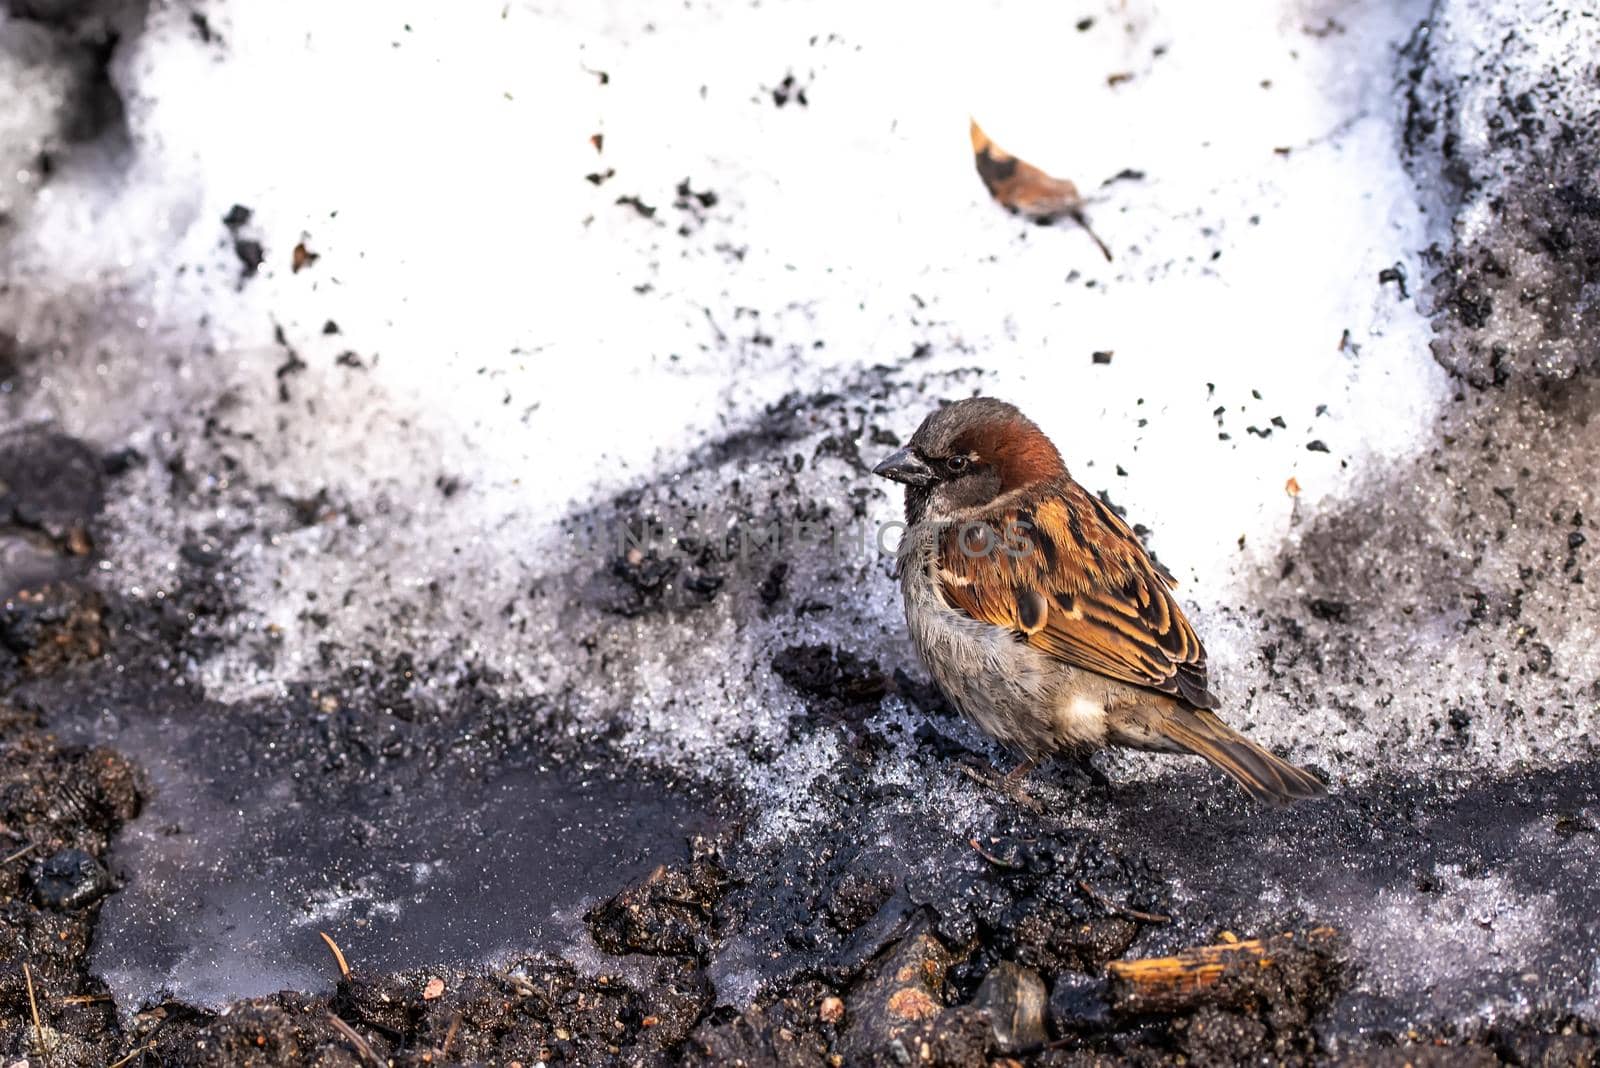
{"x":69,"y":879}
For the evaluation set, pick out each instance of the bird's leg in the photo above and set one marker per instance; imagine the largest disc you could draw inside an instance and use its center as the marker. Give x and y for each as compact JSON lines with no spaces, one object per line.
{"x":1014,"y":777}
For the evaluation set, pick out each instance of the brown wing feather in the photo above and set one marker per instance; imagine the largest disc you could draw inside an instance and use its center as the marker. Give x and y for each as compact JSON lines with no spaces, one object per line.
{"x":1106,"y":606}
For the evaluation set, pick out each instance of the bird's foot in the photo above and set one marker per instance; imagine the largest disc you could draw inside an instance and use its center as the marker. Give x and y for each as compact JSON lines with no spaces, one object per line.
{"x":1009,"y":784}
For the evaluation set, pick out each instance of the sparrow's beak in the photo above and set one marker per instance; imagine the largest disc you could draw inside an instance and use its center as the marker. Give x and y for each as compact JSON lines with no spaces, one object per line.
{"x":905,"y":466}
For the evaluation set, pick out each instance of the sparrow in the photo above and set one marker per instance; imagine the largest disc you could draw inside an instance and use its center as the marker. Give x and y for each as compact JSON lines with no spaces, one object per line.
{"x":1041,"y":616}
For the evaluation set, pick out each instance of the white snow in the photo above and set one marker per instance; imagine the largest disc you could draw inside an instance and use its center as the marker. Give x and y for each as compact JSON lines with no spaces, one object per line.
{"x":433,"y":157}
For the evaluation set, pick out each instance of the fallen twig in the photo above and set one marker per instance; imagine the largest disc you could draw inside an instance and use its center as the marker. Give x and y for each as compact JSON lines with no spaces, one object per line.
{"x":33,"y":1006}
{"x":1121,"y":910}
{"x":1192,"y":977}
{"x":19,"y":854}
{"x":120,"y":1061}
{"x":338,"y":955}
{"x":998,"y":862}
{"x":449,"y":1037}
{"x":722,"y":337}
{"x":681,"y":902}
{"x":354,"y":1037}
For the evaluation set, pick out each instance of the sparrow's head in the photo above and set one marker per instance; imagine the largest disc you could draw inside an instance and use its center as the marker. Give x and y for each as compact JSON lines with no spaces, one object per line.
{"x":966,"y":454}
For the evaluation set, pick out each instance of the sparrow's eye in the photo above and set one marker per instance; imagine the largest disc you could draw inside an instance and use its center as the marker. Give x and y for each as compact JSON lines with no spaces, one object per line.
{"x":956,"y":464}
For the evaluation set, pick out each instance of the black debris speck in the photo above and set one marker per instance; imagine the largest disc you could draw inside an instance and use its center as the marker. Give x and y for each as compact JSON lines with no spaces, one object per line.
{"x":638,"y":205}
{"x":790,"y":89}
{"x":1329,"y":611}
{"x":251,"y":255}
{"x":771,"y":589}
{"x":1397,"y":275}
{"x":687,"y":194}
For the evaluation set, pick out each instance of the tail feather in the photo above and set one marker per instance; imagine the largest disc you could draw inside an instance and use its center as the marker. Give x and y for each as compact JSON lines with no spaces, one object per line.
{"x":1269,"y":779}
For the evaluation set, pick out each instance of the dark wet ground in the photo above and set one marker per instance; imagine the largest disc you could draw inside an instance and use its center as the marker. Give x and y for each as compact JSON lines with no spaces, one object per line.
{"x":873,"y":936}
{"x":413,"y":860}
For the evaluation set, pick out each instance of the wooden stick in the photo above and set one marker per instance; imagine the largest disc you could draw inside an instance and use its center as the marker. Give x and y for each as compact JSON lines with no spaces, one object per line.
{"x":1120,"y":910}
{"x":355,"y":1039}
{"x":19,"y":854}
{"x":120,"y":1061}
{"x":33,"y":1005}
{"x":344,"y":968}
{"x":998,"y":862}
{"x":449,"y":1037}
{"x":1184,"y":981}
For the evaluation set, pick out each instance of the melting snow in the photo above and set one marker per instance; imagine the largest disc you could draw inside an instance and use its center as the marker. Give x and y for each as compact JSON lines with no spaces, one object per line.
{"x":394,"y":448}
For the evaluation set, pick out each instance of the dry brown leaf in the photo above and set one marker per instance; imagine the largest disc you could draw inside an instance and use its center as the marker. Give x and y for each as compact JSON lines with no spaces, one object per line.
{"x":78,"y":543}
{"x":1020,"y":187}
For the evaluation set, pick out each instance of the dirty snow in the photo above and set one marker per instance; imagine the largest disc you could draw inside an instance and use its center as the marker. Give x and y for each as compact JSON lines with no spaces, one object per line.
{"x":504,"y":352}
{"x":518,"y":355}
{"x":1501,"y":130}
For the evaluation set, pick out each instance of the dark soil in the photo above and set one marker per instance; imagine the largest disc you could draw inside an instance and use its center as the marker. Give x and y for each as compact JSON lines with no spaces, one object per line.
{"x":875,"y":937}
{"x":872,"y":939}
